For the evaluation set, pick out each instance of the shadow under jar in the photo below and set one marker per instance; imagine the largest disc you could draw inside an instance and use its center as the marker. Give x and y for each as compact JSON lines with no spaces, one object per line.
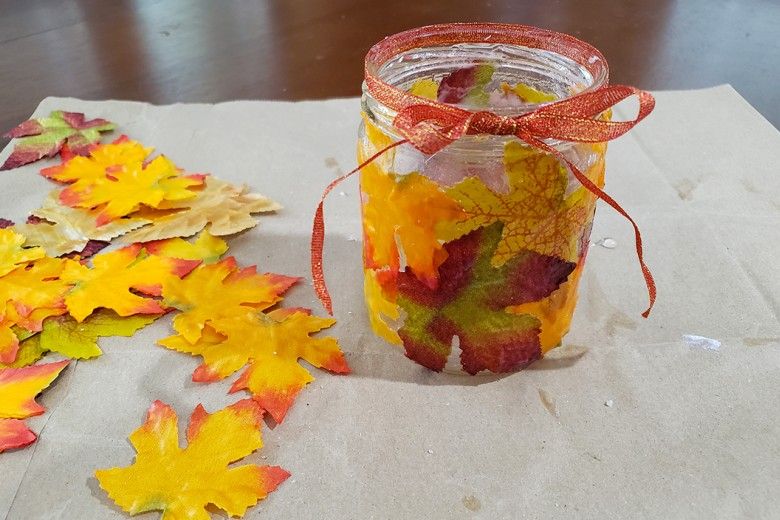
{"x":473,"y":254}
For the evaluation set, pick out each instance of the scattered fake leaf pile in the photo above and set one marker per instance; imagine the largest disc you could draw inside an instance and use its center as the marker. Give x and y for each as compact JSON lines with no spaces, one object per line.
{"x":55,"y":296}
{"x":118,"y":189}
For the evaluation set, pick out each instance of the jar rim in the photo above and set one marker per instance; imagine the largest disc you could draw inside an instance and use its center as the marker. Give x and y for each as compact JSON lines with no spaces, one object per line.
{"x":442,"y":35}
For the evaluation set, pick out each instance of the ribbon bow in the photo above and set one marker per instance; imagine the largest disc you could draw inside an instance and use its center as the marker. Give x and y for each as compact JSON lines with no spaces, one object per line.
{"x":430,"y":126}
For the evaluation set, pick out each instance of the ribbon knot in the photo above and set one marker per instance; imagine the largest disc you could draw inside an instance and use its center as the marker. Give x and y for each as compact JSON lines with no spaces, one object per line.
{"x":430,"y":126}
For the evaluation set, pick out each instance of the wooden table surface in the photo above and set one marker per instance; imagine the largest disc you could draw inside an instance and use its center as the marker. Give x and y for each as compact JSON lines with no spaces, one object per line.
{"x":165,"y":51}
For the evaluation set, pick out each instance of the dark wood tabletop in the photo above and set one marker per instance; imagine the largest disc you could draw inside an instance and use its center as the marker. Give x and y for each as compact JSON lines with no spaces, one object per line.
{"x":165,"y":51}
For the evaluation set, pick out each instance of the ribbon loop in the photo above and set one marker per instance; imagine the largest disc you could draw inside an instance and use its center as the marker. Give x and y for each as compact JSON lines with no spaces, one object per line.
{"x":431,"y":126}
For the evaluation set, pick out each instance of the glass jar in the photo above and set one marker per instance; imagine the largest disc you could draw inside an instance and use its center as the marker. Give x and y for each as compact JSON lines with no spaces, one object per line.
{"x":472,"y":254}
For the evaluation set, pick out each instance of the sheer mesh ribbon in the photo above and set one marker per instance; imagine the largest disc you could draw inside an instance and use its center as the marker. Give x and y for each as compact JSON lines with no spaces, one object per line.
{"x":430,"y":126}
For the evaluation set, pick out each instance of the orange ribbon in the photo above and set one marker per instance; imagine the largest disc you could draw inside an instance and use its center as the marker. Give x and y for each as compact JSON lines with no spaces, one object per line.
{"x":430,"y":126}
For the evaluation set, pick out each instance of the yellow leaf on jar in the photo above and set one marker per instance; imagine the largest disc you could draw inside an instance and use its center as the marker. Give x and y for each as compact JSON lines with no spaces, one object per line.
{"x":536,"y":213}
{"x":425,"y":88}
{"x":380,"y":307}
{"x":554,"y":312}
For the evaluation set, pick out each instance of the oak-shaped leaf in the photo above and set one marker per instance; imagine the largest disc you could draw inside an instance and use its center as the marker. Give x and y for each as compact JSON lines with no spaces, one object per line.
{"x":45,"y":136}
{"x":18,"y":388}
{"x":183,"y":482}
{"x":470,"y":304}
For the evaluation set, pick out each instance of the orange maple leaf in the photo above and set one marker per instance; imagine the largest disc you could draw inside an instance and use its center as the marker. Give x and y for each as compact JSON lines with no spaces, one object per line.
{"x":126,"y":187}
{"x":271,"y":344}
{"x":18,"y":388}
{"x":27,"y":297}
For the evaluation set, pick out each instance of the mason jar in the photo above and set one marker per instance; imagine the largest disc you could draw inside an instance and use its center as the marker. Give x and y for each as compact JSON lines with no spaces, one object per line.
{"x":472,"y":254}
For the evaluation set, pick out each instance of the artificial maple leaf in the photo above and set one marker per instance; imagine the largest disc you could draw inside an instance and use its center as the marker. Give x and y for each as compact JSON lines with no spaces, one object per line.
{"x":27,"y":297}
{"x":271,"y":344}
{"x":409,"y":210}
{"x":220,"y":290}
{"x":527,"y":93}
{"x":76,"y":340}
{"x":466,"y":85}
{"x":12,"y":252}
{"x":183,"y":482}
{"x":425,"y":88}
{"x":44,"y":137}
{"x":18,"y":388}
{"x":29,"y":352}
{"x":133,"y":185}
{"x":206,"y":247}
{"x":470,"y":304}
{"x":85,"y":171}
{"x":109,"y":283}
{"x":535,"y":213}
{"x":66,"y":229}
{"x":225,"y":208}
{"x":554,"y":312}
{"x":379,"y":306}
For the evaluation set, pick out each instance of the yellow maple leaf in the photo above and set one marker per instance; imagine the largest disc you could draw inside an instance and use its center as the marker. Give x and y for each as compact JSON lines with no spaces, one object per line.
{"x":425,"y":87}
{"x":83,"y":172}
{"x":183,"y":482}
{"x":271,"y":344}
{"x":536,"y":214}
{"x":12,"y":252}
{"x":220,"y":290}
{"x":379,"y":307}
{"x":133,"y":185}
{"x":528,"y":94}
{"x":401,"y":209}
{"x":18,"y":388}
{"x":27,"y":297}
{"x":554,"y":312}
{"x":109,"y":283}
{"x":206,"y":247}
{"x":225,"y":208}
{"x":406,"y":210}
{"x":69,"y":229}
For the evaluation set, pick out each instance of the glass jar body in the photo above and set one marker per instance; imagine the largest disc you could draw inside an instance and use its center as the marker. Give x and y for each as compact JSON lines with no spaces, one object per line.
{"x":472,"y":254}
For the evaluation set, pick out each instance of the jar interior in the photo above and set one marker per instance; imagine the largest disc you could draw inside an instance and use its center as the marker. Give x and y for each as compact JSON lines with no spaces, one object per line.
{"x":541,"y":69}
